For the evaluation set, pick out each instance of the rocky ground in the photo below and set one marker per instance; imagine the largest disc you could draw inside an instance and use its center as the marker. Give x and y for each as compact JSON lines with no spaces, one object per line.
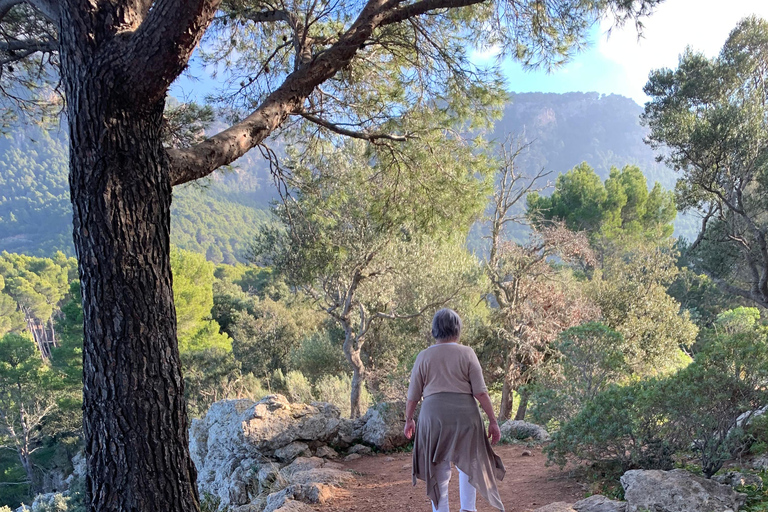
{"x":383,"y":483}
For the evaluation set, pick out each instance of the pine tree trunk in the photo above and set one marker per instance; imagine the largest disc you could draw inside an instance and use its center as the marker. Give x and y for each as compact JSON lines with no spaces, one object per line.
{"x":134,"y":415}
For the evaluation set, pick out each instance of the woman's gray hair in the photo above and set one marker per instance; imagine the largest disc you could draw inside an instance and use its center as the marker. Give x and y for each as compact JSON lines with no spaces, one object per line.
{"x":446,"y":324}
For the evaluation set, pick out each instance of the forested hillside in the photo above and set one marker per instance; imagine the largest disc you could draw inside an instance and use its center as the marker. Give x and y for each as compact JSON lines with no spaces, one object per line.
{"x":217,"y":218}
{"x":224,"y":214}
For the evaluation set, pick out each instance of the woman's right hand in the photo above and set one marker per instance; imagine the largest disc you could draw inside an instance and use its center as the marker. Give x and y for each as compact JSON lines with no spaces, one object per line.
{"x":410,"y":428}
{"x":494,"y":433}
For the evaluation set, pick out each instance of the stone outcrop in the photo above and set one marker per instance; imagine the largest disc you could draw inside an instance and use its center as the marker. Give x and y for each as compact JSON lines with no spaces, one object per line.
{"x":515,"y":429}
{"x":383,"y":424}
{"x":677,"y":491}
{"x":245,"y":451}
{"x":598,"y":503}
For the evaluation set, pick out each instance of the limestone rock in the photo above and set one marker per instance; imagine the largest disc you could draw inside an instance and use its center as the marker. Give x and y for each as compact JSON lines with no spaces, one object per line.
{"x":305,"y":493}
{"x":351,"y":457}
{"x":360,"y":448}
{"x":383,"y":426}
{"x":290,"y":451}
{"x":598,"y":503}
{"x":308,"y":470}
{"x":327,"y":452}
{"x":736,"y":479}
{"x":237,"y":437}
{"x":760,"y":462}
{"x":559,"y":506}
{"x":268,"y":475}
{"x":515,"y":429}
{"x":677,"y":491}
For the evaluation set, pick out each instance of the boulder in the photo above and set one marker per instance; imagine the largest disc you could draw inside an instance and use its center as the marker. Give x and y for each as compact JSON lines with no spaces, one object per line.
{"x":304,"y":493}
{"x":290,"y":451}
{"x":736,"y":479}
{"x":360,"y":448}
{"x":268,"y":475}
{"x":598,"y":503}
{"x":760,"y":462}
{"x":516,"y":429}
{"x":383,"y":426}
{"x":237,"y":437}
{"x":326,"y":452}
{"x":308,"y":470}
{"x":677,"y":491}
{"x":559,"y":506}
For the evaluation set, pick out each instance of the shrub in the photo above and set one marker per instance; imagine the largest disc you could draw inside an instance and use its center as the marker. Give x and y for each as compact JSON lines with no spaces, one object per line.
{"x":337,"y":390}
{"x":619,"y":426}
{"x":588,"y":358}
{"x":704,"y":408}
{"x":298,"y":387}
{"x":318,"y":356}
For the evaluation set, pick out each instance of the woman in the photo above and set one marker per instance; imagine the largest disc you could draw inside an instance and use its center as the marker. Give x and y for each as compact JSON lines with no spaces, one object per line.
{"x":448,"y":376}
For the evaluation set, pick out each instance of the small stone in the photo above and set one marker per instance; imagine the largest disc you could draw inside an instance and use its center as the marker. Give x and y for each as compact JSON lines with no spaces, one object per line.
{"x":406,"y":466}
{"x":389,"y":459}
{"x":352,"y":456}
{"x":526,"y":453}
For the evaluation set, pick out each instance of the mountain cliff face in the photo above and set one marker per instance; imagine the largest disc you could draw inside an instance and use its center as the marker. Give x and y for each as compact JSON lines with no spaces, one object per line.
{"x":220,"y":216}
{"x":566,"y":129}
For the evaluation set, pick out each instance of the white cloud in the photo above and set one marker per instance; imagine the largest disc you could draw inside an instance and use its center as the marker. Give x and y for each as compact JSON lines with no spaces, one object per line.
{"x":701,"y":24}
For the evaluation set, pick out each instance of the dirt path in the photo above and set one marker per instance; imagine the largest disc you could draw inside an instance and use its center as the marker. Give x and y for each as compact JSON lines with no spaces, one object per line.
{"x":383,"y":484}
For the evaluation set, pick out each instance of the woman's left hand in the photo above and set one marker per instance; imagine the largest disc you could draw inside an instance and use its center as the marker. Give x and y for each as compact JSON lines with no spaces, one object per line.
{"x":410,"y":428}
{"x":494,"y":433}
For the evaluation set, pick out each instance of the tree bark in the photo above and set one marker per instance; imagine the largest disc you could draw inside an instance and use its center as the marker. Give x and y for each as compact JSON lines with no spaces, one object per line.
{"x":352,"y":353}
{"x":507,"y":400}
{"x":134,"y":414}
{"x":522,"y":406}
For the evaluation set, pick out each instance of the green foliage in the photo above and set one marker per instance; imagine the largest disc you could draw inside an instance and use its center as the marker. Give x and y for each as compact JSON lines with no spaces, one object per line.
{"x":711,"y":118}
{"x":631,"y":291}
{"x":621,"y":207}
{"x":298,"y":387}
{"x":319,"y":354}
{"x":620,"y":426}
{"x":702,"y":408}
{"x":588,"y":358}
{"x":335,"y":389}
{"x":193,"y":298}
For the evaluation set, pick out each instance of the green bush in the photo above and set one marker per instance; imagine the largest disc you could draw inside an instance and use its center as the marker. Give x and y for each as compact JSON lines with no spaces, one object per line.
{"x":621,"y":426}
{"x":337,"y":390}
{"x":705,"y":409}
{"x":587,"y":359}
{"x":298,"y":387}
{"x":318,"y":355}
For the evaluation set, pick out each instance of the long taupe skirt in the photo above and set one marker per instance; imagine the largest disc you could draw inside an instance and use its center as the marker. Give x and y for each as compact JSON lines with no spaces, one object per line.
{"x":450,"y":428}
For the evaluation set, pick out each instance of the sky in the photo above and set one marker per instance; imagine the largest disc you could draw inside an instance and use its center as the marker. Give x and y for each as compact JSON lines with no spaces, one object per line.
{"x":615,"y":63}
{"x":619,"y":63}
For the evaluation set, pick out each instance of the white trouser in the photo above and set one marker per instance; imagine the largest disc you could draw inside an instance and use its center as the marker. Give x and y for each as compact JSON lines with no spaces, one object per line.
{"x":467,"y":493}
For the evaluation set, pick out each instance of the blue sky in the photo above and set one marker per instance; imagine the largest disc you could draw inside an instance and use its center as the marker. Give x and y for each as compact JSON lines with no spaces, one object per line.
{"x":618,"y":63}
